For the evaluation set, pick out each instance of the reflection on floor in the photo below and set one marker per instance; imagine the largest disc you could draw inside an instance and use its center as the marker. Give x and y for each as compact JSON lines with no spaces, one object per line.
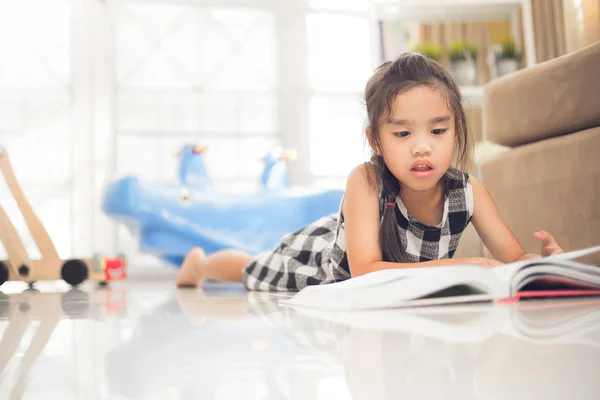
{"x":150,"y":341}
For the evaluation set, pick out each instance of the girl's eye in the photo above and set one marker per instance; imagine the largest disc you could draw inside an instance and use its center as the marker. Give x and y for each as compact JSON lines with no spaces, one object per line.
{"x":402,"y":134}
{"x":438,"y":131}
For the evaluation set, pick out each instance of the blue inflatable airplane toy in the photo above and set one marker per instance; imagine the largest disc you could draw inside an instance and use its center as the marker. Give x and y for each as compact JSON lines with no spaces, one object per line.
{"x":192,"y":166}
{"x":193,"y":171}
{"x":171,"y":218}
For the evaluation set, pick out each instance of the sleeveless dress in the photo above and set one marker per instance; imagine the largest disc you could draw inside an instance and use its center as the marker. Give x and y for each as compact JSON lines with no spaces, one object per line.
{"x":316,"y":254}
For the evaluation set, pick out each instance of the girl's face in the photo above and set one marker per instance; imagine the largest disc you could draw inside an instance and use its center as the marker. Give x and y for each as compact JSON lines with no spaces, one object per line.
{"x":418,"y":138}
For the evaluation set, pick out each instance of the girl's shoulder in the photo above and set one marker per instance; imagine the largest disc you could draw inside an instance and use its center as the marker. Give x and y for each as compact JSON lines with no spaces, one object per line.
{"x":364,"y":175}
{"x":459,"y":191}
{"x":457,"y":179}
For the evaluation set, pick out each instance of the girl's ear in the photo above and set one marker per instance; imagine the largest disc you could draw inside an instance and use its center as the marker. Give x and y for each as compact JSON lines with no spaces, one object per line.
{"x":372,"y":141}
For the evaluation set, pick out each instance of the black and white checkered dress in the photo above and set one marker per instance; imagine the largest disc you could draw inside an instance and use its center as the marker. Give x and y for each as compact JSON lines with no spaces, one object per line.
{"x":316,"y":254}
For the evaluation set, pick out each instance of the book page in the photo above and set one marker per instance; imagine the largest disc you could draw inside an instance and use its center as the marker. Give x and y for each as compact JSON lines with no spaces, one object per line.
{"x":556,"y":273}
{"x":590,"y":255}
{"x":418,"y":286}
{"x":368,"y":280}
{"x":410,"y":286}
{"x":508,"y":273}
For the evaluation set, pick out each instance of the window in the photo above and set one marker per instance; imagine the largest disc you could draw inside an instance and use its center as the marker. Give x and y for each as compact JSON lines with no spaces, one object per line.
{"x":193,"y":74}
{"x":104,"y":89}
{"x":339,"y":65}
{"x":336,"y":135}
{"x":345,"y":5}
{"x":35,"y":114}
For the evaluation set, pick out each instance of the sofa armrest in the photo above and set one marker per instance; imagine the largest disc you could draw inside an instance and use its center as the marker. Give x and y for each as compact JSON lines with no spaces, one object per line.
{"x":550,"y":99}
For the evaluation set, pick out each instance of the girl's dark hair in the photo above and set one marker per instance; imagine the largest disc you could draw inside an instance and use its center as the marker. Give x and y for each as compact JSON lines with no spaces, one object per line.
{"x":389,"y":80}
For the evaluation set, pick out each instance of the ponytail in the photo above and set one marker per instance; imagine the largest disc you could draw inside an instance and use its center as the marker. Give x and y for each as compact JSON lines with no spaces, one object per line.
{"x":389,"y":234}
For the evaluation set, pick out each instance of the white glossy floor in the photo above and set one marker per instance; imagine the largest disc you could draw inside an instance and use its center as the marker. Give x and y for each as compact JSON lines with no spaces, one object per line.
{"x":150,"y":341}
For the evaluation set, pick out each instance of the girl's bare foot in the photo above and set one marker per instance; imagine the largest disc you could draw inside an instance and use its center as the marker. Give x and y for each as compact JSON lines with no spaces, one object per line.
{"x":189,"y":272}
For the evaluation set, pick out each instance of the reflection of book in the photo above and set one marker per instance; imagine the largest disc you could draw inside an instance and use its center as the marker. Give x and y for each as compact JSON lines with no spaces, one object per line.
{"x":572,"y":321}
{"x":541,"y":322}
{"x":555,"y":276}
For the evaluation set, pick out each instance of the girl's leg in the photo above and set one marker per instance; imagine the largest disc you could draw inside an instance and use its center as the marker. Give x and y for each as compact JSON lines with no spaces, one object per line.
{"x":224,"y":265}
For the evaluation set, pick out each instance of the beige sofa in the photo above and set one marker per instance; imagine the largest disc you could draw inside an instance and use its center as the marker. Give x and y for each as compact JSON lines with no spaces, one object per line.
{"x":548,"y":116}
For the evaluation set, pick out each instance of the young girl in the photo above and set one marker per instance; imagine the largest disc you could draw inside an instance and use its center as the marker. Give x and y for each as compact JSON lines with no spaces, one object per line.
{"x":405,"y":208}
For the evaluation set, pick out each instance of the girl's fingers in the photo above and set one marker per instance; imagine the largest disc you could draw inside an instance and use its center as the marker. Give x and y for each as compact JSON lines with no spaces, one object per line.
{"x":549,"y":250}
{"x":546,"y":238}
{"x":549,"y":245}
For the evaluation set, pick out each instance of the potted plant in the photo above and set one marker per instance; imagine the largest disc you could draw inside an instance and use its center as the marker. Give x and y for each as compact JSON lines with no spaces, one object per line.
{"x":463,"y":63}
{"x":429,"y":50}
{"x":508,"y":59}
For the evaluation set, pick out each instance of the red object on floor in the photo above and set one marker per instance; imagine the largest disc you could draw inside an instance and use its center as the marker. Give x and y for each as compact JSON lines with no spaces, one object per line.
{"x":114,"y":269}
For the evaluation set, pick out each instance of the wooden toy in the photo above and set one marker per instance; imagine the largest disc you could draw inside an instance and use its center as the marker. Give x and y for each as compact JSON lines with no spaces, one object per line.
{"x":20,"y":267}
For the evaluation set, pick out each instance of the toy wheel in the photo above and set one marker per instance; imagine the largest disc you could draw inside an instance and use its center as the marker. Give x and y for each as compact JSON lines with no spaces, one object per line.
{"x":74,"y":272}
{"x":3,"y":273}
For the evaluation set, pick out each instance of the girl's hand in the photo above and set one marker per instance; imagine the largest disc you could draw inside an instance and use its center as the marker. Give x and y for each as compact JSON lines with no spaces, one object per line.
{"x":486,"y":262}
{"x":479,"y":261}
{"x":549,"y":245}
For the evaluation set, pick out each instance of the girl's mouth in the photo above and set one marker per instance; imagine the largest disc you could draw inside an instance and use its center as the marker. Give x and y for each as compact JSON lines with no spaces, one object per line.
{"x":422,"y":171}
{"x":421,"y":168}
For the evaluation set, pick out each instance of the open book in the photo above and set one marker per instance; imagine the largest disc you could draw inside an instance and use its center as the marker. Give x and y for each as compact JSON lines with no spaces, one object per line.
{"x":555,"y":276}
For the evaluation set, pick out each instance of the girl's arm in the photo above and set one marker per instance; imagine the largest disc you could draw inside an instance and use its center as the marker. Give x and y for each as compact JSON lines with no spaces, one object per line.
{"x":496,"y":235}
{"x":361,"y":225}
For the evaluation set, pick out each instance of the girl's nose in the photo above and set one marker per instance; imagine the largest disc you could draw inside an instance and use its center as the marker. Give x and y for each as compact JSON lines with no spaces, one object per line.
{"x":421,"y":146}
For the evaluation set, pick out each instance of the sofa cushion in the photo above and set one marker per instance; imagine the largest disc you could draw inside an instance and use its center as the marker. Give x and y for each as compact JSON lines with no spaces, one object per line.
{"x":553,"y":185}
{"x":553,"y":98}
